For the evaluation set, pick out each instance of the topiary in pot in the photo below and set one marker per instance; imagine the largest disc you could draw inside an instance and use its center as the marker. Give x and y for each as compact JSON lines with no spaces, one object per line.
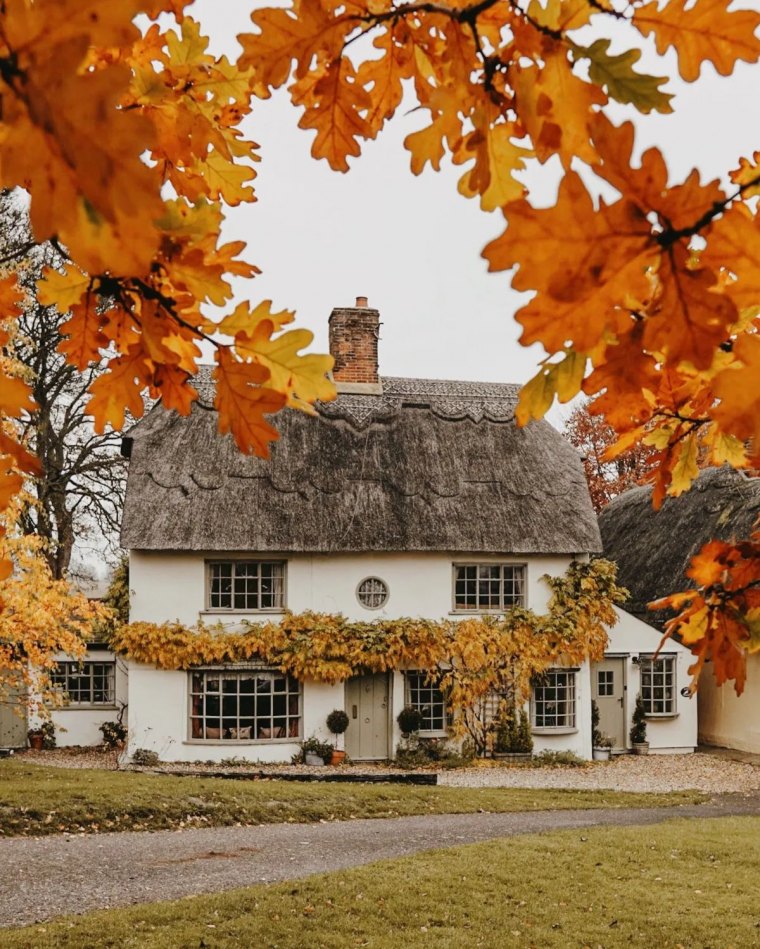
{"x":409,"y":721}
{"x":337,"y":722}
{"x":638,"y":733}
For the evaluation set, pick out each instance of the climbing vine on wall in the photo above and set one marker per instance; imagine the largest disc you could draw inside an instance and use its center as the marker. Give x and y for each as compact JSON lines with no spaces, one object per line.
{"x":470,"y":657}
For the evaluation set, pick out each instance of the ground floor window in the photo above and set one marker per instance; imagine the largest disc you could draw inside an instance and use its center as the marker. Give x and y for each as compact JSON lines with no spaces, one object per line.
{"x":85,"y":683}
{"x":553,"y":703}
{"x":424,"y":694}
{"x":244,"y":705}
{"x":658,"y":684}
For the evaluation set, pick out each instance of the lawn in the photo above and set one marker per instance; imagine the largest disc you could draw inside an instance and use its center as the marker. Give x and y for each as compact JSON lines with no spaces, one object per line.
{"x":677,"y":884}
{"x":37,"y":800}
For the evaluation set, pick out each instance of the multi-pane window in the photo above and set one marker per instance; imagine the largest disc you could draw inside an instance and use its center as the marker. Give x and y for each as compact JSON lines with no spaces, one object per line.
{"x":658,"y":685}
{"x":372,"y":593}
{"x":489,"y":586}
{"x":244,"y":705}
{"x":554,"y":699}
{"x":85,"y":683}
{"x":425,"y":695}
{"x":246,"y":585}
{"x":605,"y":682}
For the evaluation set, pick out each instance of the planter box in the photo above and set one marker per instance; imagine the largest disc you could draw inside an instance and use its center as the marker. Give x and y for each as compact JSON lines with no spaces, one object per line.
{"x":601,"y":754}
{"x":641,"y":748}
{"x":316,"y":761}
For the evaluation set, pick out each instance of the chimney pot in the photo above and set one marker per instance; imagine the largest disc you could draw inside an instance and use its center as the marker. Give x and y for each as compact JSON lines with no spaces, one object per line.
{"x":361,"y":302}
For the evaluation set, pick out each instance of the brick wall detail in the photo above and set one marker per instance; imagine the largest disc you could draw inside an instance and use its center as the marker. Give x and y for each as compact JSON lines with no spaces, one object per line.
{"x":353,"y":343}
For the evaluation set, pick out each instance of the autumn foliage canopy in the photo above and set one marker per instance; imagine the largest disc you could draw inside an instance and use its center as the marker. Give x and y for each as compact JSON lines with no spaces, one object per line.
{"x":129,"y":142}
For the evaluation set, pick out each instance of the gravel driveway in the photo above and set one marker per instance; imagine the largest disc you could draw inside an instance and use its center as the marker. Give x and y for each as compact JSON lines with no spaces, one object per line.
{"x":700,"y":772}
{"x":49,"y":876}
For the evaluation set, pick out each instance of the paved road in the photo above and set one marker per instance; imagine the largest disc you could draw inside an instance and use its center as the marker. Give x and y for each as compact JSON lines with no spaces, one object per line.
{"x":48,"y":876}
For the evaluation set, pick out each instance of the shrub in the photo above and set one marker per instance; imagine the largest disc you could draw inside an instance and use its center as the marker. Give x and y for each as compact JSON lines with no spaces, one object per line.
{"x":47,"y":730}
{"x":114,"y":734}
{"x":145,"y":758}
{"x":558,"y":759}
{"x":427,"y":752}
{"x":513,"y":734}
{"x":638,"y":731}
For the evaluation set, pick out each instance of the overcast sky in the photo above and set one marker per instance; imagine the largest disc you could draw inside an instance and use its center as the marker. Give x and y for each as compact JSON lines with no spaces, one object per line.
{"x":412,"y":245}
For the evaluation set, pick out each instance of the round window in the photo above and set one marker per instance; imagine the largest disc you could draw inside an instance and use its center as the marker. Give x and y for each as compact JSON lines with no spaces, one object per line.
{"x":372,"y":593}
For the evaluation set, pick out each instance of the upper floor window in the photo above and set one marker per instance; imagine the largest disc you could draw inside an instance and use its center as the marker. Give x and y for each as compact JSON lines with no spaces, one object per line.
{"x":246,"y":585}
{"x":86,"y":683}
{"x":658,"y":684}
{"x":489,"y":587}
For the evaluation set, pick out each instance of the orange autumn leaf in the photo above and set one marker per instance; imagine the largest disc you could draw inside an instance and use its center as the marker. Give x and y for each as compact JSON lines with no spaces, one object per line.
{"x":705,"y":31}
{"x":243,"y":403}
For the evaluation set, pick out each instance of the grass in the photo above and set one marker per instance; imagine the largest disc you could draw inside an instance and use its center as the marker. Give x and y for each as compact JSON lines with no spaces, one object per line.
{"x":36,"y":800}
{"x":678,"y":884}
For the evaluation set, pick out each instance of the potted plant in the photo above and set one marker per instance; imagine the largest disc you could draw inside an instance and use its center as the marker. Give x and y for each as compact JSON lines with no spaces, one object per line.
{"x":638,"y":733}
{"x":315,"y":752}
{"x":337,"y":722}
{"x":513,"y":740}
{"x":36,"y":739}
{"x":601,"y":744}
{"x":409,"y":720}
{"x":43,"y":736}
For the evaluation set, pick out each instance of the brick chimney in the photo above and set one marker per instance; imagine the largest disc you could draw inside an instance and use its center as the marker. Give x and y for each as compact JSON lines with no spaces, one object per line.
{"x":354,"y":333}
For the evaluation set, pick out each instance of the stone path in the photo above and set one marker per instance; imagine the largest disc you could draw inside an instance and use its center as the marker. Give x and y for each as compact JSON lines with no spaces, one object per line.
{"x":47,"y":876}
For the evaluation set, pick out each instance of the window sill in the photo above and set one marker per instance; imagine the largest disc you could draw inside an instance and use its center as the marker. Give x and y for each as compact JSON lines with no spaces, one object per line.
{"x":655,"y":717}
{"x":485,"y":612}
{"x":276,"y":612}
{"x":433,"y":734}
{"x":554,"y":731}
{"x":85,"y":708}
{"x":242,"y":741}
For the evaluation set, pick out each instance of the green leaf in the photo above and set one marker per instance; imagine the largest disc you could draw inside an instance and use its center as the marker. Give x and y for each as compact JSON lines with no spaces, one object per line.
{"x":624,"y":85}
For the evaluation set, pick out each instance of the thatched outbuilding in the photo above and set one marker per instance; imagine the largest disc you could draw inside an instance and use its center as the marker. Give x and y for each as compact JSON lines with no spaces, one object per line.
{"x":653,"y":548}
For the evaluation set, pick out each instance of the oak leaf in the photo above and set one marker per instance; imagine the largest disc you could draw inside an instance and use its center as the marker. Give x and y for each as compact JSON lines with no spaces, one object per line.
{"x":242,"y":402}
{"x":622,"y":82}
{"x":705,"y":31}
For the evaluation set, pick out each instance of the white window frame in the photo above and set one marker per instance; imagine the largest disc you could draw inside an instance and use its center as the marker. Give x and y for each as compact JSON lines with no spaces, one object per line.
{"x":664,"y":676}
{"x":503,"y":566}
{"x":540,"y":697}
{"x":69,"y":669}
{"x":206,"y":706}
{"x":417,"y":683}
{"x":280,"y":598}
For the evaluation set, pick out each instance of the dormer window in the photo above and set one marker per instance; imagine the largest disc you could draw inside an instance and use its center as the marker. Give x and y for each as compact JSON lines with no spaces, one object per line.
{"x":246,"y":585}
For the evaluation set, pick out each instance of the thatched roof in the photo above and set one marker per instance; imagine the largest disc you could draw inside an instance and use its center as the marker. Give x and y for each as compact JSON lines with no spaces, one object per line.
{"x":426,"y":465}
{"x":653,"y":548}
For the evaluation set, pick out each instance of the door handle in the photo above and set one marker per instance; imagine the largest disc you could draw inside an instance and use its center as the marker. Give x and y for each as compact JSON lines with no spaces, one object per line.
{"x":621,"y":701}
{"x":354,"y":711}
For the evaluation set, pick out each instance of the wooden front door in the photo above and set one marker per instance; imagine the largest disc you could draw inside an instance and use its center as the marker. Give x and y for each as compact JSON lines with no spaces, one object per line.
{"x":13,"y":724}
{"x":368,"y":706}
{"x":608,"y":690}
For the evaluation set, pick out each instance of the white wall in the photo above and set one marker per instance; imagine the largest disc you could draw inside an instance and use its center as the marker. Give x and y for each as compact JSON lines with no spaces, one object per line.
{"x":630,"y":638}
{"x":168,"y":587}
{"x":171,"y":586}
{"x":728,"y":719}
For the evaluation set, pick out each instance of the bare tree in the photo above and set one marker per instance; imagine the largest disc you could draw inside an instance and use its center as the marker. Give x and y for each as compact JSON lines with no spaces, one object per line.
{"x":80,"y":492}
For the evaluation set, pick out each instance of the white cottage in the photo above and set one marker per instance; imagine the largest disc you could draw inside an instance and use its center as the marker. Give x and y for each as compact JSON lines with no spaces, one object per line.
{"x":404,"y":497}
{"x":653,"y":550}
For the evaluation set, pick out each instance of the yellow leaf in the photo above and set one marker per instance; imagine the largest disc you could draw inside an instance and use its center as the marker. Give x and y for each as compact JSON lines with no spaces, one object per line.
{"x":62,"y":288}
{"x":243,"y":402}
